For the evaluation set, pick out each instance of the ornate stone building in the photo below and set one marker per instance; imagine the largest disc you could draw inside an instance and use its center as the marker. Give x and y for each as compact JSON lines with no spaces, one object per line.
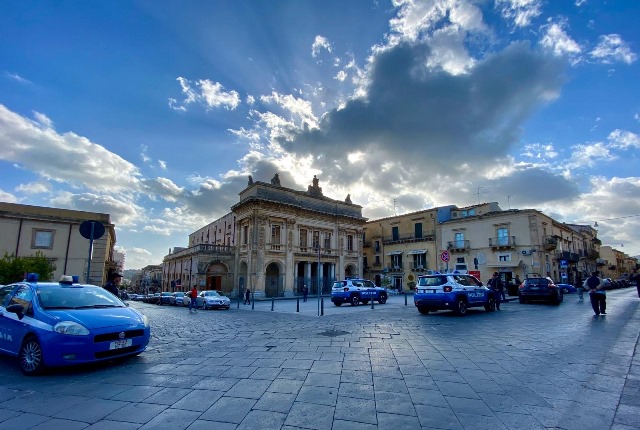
{"x":274,"y":241}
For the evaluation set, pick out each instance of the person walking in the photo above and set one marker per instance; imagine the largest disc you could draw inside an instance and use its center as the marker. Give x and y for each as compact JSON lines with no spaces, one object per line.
{"x":112,"y":285}
{"x":305,"y":293}
{"x":578,"y":284}
{"x":498,"y":289}
{"x":193,"y":304}
{"x":635,"y":277}
{"x":247,"y":297}
{"x":597,"y":294}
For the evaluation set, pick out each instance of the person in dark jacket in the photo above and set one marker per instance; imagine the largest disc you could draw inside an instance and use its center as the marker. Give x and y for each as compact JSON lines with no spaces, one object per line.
{"x":495,"y":283}
{"x":578,"y":284}
{"x":305,"y":293}
{"x":112,"y":285}
{"x":635,"y":278}
{"x":597,"y":294}
{"x":247,"y":296}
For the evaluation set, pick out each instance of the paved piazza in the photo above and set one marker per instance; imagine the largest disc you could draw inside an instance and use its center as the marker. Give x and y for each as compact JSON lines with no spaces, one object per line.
{"x":525,"y":367}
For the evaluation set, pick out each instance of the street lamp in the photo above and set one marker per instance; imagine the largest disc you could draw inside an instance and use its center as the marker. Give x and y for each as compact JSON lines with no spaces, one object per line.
{"x":318,"y":272}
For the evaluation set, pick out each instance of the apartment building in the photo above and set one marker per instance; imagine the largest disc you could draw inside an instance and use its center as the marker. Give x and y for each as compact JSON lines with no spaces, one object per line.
{"x":25,"y":230}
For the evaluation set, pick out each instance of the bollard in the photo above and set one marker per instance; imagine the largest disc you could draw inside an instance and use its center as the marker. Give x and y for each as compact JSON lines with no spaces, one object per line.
{"x":273,"y":301}
{"x":253,"y":300}
{"x":372,"y":299}
{"x":405,"y":299}
{"x":298,"y":304}
{"x":322,"y":306}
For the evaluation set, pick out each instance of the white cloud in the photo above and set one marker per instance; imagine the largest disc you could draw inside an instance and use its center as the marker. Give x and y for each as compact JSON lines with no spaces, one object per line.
{"x":65,"y":158}
{"x":162,"y":164}
{"x":16,"y":77}
{"x":556,"y":39}
{"x":580,"y":3}
{"x":522,"y":12}
{"x":7,"y":197}
{"x":33,"y":188}
{"x":43,"y":119}
{"x":589,"y":155}
{"x":319,"y":43}
{"x":539,"y":151}
{"x":208,"y":93}
{"x":612,"y":48}
{"x":624,"y":139}
{"x":299,"y":109}
{"x":448,"y":50}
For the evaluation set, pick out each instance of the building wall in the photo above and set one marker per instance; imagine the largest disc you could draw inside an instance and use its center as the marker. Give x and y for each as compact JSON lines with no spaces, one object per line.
{"x":69,"y":251}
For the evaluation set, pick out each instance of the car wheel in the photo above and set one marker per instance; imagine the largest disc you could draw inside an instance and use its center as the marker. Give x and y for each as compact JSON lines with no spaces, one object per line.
{"x":461,"y":307}
{"x":383,"y":299}
{"x":355,"y":300}
{"x":559,"y":299}
{"x":337,"y":303}
{"x":365,"y":302}
{"x":565,"y":291}
{"x":423,"y":310}
{"x":491,"y":306}
{"x":30,"y":356}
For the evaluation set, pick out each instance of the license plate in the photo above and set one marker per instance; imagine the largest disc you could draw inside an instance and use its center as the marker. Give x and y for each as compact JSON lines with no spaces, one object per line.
{"x":117,"y":344}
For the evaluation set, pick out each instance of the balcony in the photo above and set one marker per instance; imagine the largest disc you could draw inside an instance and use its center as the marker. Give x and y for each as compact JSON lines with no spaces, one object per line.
{"x":204,"y":249}
{"x":309,"y":250}
{"x":407,"y":238}
{"x":600,"y":261}
{"x":502,"y":242}
{"x":571,"y":257}
{"x":418,"y":267}
{"x":458,"y":245}
{"x":394,"y":268}
{"x":550,"y":243}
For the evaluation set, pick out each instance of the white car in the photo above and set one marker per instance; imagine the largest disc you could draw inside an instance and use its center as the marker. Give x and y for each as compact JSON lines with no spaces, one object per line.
{"x":212,"y":300}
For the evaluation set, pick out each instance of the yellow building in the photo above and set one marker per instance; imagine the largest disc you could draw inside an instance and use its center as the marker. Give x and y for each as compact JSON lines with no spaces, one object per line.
{"x":25,"y":230}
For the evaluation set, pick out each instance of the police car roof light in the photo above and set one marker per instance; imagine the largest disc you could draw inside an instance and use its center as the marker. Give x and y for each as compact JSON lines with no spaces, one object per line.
{"x":32,"y":277}
{"x":76,"y":278}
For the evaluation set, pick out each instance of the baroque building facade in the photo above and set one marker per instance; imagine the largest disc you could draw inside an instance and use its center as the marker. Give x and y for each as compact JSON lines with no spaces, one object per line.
{"x":278,"y":241}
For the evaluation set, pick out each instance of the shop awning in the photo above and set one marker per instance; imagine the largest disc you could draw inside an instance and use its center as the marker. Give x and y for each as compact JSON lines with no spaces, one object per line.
{"x":417,"y":251}
{"x":394,"y":252}
{"x":504,"y":264}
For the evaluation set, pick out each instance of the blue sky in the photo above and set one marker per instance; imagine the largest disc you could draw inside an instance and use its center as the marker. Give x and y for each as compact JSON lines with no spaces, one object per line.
{"x":157,"y":111}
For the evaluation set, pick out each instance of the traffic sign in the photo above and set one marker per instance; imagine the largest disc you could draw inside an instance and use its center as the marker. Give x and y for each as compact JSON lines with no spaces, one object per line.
{"x":444,"y":256}
{"x":92,"y":229}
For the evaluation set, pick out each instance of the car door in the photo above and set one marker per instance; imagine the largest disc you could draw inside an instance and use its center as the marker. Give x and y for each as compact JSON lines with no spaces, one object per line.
{"x":12,"y":328}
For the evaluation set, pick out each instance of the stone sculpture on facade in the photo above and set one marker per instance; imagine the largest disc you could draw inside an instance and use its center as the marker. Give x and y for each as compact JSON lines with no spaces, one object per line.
{"x":276,"y":180}
{"x":315,"y":190}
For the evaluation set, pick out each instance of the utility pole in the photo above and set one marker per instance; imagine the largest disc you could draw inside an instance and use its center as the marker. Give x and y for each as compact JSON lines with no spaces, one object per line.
{"x":509,"y":201}
{"x":478,"y":194}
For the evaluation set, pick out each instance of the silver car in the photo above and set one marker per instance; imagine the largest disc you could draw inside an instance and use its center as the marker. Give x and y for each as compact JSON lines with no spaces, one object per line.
{"x":212,"y":299}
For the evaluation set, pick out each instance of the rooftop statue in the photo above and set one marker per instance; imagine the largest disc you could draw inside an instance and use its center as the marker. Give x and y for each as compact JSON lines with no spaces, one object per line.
{"x":276,"y":180}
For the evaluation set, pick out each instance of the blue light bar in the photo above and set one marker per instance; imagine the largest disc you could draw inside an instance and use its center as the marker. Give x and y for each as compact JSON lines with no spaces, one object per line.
{"x":32,"y":277}
{"x":76,"y":278}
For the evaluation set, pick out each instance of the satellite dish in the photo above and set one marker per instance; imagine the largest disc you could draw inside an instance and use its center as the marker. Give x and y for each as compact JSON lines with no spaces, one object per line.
{"x":481,"y":258}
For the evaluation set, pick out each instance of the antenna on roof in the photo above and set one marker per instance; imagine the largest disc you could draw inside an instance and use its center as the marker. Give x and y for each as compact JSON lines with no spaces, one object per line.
{"x":478,"y":194}
{"x":395,"y":202}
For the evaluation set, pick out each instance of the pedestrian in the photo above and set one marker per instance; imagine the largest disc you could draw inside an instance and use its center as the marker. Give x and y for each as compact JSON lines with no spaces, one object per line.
{"x":578,"y":284}
{"x":635,"y":277}
{"x":597,"y":294}
{"x":305,"y":293}
{"x":193,"y":304}
{"x":247,"y":296}
{"x":112,"y":285}
{"x":498,"y":288}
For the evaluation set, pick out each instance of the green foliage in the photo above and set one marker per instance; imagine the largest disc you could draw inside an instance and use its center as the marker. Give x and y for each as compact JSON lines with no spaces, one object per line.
{"x":12,"y":269}
{"x":386,"y":282}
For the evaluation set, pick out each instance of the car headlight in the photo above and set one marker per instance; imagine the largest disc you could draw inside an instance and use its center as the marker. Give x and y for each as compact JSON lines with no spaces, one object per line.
{"x":70,"y":328}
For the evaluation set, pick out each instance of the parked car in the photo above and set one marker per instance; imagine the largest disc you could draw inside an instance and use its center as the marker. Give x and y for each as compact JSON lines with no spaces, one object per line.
{"x":164,"y":298}
{"x":567,"y":288}
{"x":176,"y":298}
{"x":211,"y":299}
{"x":62,"y":324}
{"x":538,"y":288}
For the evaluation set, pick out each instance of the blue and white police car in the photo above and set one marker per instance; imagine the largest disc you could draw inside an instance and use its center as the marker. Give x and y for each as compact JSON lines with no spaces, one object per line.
{"x":454,"y":291}
{"x":355,"y":291}
{"x":65,"y":323}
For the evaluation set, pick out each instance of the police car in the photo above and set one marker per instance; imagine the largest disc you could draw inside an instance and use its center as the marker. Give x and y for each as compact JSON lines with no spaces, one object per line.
{"x":355,"y":291}
{"x":454,"y":291}
{"x":65,"y":323}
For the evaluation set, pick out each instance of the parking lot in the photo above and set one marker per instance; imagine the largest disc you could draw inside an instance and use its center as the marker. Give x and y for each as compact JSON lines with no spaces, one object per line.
{"x":528,"y":366}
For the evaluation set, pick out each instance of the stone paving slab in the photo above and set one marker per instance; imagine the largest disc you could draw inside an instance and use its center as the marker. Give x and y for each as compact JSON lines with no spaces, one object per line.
{"x":529,"y":366}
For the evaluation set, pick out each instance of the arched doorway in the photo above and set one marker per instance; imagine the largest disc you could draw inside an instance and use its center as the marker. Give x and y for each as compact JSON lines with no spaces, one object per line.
{"x":217,"y":278}
{"x":273,"y":281}
{"x":350,"y":271}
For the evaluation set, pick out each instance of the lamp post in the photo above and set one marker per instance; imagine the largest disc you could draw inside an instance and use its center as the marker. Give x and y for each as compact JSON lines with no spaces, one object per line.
{"x":318,"y":272}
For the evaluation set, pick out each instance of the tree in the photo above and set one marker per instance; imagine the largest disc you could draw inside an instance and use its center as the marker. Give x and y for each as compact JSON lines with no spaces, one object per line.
{"x":13,"y":269}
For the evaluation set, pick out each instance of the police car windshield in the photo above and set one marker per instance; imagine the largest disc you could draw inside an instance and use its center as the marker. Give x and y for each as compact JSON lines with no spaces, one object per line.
{"x":76,"y":297}
{"x":432,"y":281}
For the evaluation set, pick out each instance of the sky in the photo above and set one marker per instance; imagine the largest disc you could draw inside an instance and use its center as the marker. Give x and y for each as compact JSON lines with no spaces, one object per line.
{"x":156,"y":112}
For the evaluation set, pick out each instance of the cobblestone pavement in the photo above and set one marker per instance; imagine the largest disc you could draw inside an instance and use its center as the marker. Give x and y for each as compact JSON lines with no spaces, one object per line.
{"x":525,"y":367}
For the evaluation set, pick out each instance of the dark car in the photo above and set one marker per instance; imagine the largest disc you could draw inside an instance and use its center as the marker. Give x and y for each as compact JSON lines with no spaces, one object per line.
{"x":538,"y":288}
{"x":165,"y":298}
